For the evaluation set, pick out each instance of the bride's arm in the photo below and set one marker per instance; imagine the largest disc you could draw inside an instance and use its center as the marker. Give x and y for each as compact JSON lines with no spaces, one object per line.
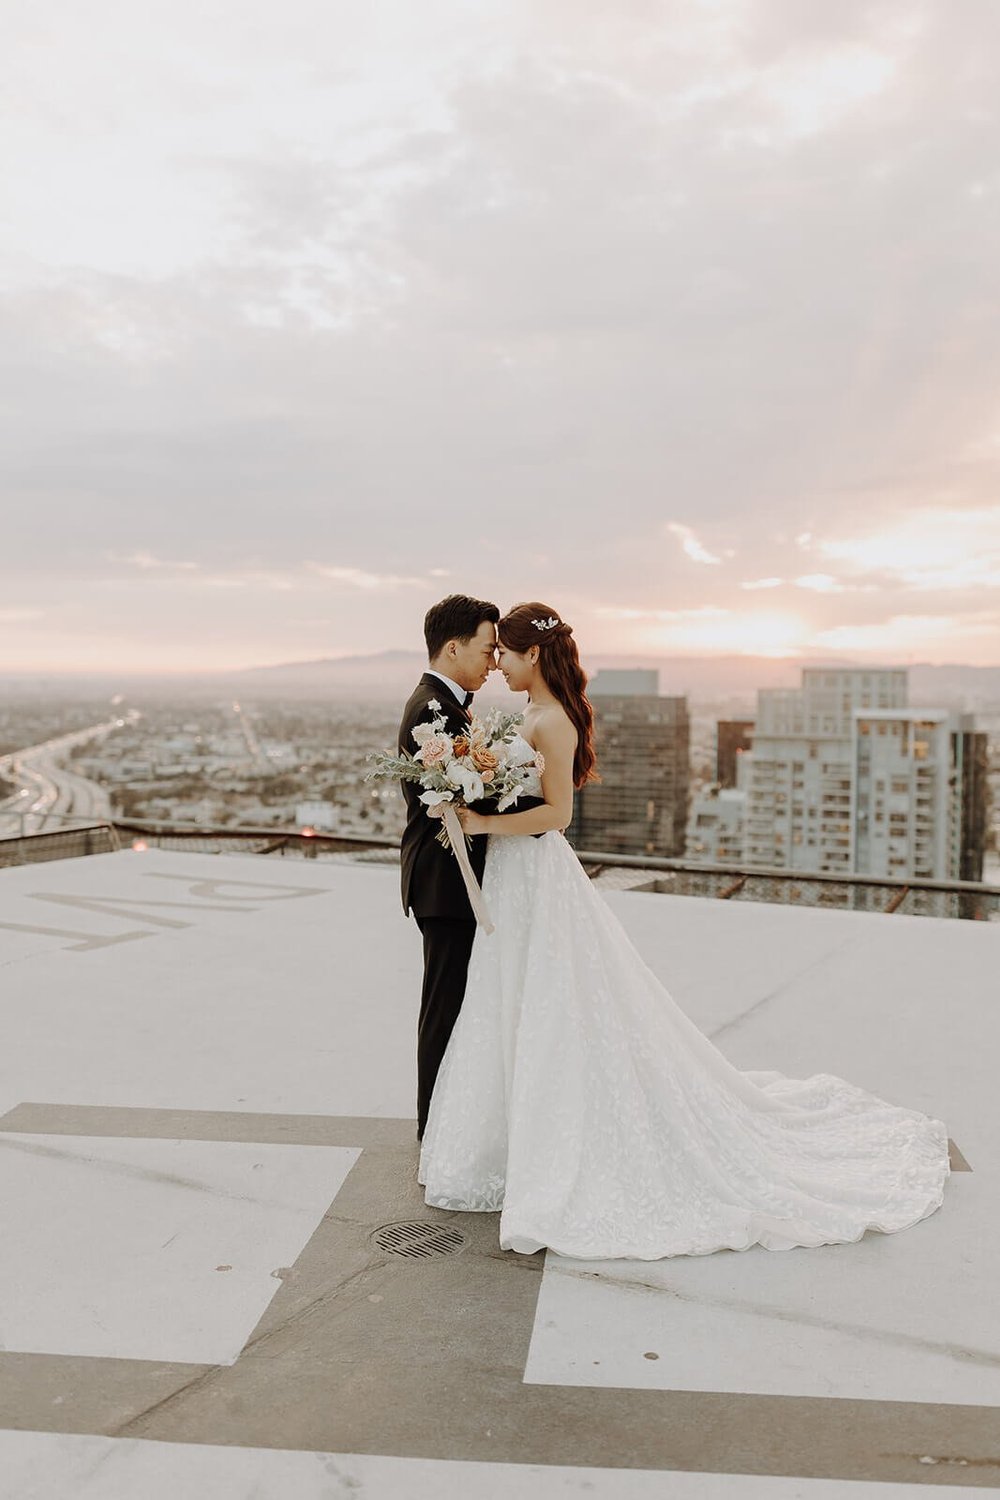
{"x":557,"y":742}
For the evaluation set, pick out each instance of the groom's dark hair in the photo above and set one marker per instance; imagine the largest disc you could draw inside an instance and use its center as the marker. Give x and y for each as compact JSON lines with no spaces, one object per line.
{"x":456,"y":618}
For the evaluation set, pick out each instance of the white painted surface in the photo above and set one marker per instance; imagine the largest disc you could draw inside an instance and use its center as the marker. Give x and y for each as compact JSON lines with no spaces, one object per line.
{"x":264,"y":1000}
{"x":904,"y":1317}
{"x":269,"y":1000}
{"x":151,"y":1249}
{"x":43,"y":1466}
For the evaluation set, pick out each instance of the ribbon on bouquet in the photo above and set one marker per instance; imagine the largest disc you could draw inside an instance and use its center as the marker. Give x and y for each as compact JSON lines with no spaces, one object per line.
{"x":456,"y":834}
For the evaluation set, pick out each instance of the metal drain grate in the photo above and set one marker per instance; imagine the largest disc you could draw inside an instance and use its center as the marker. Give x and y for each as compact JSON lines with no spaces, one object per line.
{"x":416,"y":1241}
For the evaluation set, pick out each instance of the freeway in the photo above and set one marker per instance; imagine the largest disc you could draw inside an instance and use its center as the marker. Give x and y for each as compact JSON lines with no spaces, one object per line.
{"x":49,"y":795}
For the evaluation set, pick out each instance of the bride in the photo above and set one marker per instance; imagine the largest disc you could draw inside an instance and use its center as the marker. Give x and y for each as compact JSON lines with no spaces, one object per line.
{"x":577,"y":1098}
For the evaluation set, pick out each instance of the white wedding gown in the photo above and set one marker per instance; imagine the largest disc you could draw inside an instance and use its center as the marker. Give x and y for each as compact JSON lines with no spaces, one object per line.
{"x":577,"y":1099}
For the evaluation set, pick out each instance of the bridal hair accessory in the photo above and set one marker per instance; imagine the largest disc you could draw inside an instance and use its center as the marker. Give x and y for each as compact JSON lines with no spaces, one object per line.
{"x":549,"y":624}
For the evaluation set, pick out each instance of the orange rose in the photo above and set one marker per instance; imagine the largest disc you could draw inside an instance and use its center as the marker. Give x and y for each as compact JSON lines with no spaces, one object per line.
{"x":483,"y":758}
{"x":461,"y":746}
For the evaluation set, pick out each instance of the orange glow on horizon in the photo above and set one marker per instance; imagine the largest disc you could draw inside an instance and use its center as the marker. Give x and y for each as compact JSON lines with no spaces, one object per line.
{"x":719,"y":632}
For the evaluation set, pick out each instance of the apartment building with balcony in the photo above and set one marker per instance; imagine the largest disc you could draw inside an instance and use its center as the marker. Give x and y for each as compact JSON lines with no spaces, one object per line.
{"x":918,"y":806}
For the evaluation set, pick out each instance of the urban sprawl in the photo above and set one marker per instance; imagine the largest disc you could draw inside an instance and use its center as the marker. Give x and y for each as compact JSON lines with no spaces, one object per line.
{"x":839,"y":776}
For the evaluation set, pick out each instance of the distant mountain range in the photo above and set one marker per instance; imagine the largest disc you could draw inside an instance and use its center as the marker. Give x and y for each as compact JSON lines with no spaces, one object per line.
{"x":388,"y":675}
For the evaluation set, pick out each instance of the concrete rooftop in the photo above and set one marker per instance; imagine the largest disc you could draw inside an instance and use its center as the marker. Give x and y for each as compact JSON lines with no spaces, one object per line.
{"x":206,"y":1113}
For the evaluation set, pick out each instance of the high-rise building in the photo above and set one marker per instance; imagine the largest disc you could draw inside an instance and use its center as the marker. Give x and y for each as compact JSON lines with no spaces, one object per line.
{"x":919,"y":795}
{"x":799,"y":794}
{"x":733,"y":739}
{"x":631,"y":683}
{"x":846,"y":778}
{"x":905,"y":818}
{"x":643,"y":747}
{"x":972,"y":752}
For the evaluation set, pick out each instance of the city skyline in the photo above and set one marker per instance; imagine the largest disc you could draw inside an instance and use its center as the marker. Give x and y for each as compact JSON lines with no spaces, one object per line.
{"x":680,"y":319}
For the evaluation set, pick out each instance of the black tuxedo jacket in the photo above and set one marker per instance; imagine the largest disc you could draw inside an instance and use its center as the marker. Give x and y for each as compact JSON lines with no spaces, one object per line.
{"x":432,"y":884}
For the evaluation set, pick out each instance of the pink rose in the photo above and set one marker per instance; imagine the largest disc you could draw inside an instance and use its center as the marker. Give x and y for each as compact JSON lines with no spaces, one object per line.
{"x":435,"y":750}
{"x":487,"y":776}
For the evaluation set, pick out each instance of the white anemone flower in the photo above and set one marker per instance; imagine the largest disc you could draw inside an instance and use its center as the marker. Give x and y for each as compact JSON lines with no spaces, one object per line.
{"x":469,"y":780}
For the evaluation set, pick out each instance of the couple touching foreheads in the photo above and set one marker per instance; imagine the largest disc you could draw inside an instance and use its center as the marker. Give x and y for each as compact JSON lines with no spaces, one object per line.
{"x":558,"y":1082}
{"x":464,"y":647}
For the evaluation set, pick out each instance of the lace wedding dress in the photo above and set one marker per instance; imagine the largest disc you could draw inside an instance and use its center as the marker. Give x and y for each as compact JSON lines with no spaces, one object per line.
{"x":578,"y":1100}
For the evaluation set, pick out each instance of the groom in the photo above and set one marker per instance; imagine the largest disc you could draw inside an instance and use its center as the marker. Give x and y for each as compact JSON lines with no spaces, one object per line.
{"x":461,"y":639}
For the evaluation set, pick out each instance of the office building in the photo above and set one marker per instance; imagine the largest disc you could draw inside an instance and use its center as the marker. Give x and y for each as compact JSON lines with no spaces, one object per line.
{"x":972,"y":754}
{"x":643,"y":746}
{"x":733,"y":739}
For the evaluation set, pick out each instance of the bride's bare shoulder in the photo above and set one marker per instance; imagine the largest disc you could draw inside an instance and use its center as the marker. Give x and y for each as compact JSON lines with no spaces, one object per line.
{"x":554,"y":723}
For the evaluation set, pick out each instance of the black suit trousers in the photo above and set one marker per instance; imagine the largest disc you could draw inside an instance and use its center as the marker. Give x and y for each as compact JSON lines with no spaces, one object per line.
{"x":447,"y":946}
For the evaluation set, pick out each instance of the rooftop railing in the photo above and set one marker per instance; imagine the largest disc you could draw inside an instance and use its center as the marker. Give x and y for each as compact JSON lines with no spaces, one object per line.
{"x":963,"y":899}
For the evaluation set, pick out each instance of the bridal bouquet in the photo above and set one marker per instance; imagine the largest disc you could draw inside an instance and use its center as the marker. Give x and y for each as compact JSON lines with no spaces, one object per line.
{"x":480,"y":764}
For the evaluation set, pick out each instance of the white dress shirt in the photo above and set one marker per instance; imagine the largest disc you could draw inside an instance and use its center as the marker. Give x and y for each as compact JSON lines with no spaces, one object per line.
{"x":459,"y":692}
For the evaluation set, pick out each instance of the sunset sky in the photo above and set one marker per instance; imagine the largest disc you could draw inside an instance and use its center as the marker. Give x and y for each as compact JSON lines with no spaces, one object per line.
{"x":681,"y":318}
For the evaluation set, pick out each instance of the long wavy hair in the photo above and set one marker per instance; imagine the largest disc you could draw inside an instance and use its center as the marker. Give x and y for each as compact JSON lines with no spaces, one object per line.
{"x":559,"y":663}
